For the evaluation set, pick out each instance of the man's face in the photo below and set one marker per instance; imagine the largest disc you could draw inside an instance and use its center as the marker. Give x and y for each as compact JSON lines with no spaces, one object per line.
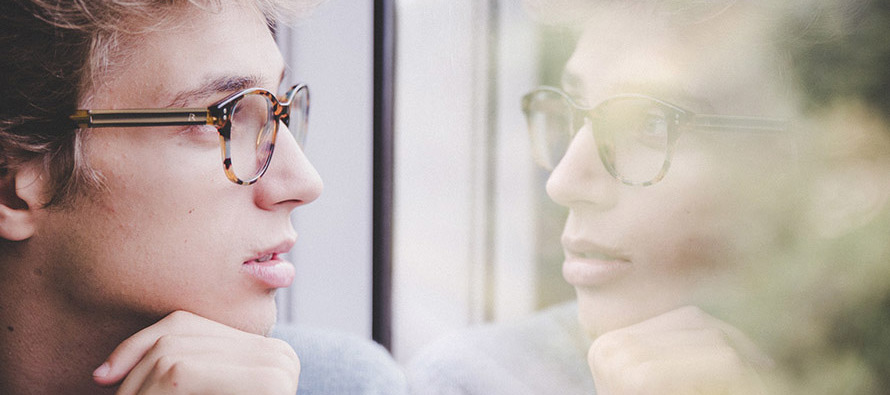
{"x":635,"y":252}
{"x":169,"y":231}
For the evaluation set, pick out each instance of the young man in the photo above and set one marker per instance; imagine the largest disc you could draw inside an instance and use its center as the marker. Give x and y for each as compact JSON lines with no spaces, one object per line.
{"x":134,"y":256}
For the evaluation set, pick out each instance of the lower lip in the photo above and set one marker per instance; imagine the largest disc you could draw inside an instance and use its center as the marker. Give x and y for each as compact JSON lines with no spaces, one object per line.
{"x":274,"y":273}
{"x":588,"y":272}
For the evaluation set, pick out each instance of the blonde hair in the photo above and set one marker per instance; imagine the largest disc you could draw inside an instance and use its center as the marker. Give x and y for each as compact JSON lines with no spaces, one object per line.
{"x":54,"y":54}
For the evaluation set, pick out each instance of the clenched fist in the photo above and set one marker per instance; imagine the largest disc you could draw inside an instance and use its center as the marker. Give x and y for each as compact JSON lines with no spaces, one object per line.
{"x":188,"y":354}
{"x":684,"y":351}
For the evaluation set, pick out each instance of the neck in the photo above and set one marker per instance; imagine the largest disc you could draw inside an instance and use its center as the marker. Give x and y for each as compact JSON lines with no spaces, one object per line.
{"x":49,"y":344}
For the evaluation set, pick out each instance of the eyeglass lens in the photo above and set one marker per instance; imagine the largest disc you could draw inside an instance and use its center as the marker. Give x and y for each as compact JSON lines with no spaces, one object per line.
{"x":299,"y":113}
{"x":632,"y":133}
{"x":252,"y":136}
{"x":254,"y":130}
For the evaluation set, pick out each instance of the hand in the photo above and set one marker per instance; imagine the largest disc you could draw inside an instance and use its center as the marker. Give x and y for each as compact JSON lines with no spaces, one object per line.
{"x":684,"y":351}
{"x":186,"y":353}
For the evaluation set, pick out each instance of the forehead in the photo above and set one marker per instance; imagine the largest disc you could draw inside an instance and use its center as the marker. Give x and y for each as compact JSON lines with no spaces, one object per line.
{"x":232,"y":42}
{"x":710,"y":63}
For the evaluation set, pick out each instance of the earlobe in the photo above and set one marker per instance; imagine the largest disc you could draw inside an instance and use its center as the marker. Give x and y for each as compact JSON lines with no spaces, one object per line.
{"x":19,"y":198}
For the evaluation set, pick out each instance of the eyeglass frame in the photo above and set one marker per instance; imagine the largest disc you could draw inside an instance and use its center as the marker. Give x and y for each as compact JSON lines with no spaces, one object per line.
{"x":682,"y":118}
{"x":216,"y":115}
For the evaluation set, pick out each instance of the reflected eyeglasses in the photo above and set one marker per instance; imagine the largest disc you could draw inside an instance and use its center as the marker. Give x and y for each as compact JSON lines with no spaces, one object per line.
{"x":635,"y":134}
{"x":247,"y":123}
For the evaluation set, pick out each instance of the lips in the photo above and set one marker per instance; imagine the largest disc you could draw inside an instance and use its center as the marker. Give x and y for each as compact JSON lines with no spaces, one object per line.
{"x":269,"y":269}
{"x":588,"y":264}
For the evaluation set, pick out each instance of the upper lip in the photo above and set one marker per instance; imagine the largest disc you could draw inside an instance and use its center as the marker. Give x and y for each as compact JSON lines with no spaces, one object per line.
{"x":583,"y":248}
{"x":282,"y":247}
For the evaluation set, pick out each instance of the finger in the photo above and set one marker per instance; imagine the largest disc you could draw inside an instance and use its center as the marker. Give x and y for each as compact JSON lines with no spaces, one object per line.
{"x":170,"y":352}
{"x":200,"y":363}
{"x":694,"y":318}
{"x":127,"y":354}
{"x":623,"y":350}
{"x":173,"y":354}
{"x":702,"y":373}
{"x":227,"y":379}
{"x":684,"y":360}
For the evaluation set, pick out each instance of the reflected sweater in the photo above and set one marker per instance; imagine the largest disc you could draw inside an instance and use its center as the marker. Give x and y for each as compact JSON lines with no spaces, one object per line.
{"x":543,"y":354}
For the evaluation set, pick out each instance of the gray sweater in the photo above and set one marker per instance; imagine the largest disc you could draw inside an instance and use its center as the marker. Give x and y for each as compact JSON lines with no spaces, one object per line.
{"x":336,"y":363}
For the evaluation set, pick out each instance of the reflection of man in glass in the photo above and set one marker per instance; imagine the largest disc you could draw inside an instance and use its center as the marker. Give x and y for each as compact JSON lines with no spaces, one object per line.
{"x":680,"y":136}
{"x":148,"y":170}
{"x":675,"y":142}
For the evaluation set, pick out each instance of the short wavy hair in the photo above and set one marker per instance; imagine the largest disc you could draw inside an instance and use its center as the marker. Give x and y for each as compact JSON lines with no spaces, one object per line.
{"x":55,"y":51}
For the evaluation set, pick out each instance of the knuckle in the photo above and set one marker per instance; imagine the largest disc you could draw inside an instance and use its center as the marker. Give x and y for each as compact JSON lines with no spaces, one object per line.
{"x":167,"y":342}
{"x":172,"y":376}
{"x":690,"y":312}
{"x":179,"y":316}
{"x":609,"y":345}
{"x":165,"y":364}
{"x":717,"y":337}
{"x":283,"y":354}
{"x":731,"y":360}
{"x":278,"y":344}
{"x":616,"y":353}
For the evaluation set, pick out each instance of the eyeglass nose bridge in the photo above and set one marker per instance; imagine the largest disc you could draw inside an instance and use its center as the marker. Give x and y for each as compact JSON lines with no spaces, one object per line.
{"x":282,"y":109}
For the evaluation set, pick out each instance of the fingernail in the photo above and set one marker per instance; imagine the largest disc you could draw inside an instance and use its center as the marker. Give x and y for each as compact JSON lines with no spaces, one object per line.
{"x":102,"y":370}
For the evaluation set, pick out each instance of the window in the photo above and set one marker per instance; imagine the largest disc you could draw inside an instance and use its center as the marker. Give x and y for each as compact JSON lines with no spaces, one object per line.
{"x":475,"y":239}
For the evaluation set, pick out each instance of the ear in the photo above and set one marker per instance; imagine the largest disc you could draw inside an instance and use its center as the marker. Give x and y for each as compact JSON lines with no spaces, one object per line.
{"x":853,"y":188}
{"x":848,"y":197}
{"x":20,"y":192}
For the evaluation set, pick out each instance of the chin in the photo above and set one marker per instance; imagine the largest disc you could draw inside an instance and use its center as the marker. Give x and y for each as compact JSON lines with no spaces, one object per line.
{"x":260,"y":322}
{"x":600,"y":311}
{"x":257,"y":317}
{"x":253,"y":324}
{"x":597,"y":318}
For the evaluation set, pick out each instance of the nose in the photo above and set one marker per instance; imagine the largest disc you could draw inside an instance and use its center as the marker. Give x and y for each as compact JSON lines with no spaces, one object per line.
{"x":580,"y":178}
{"x":290,"y":180}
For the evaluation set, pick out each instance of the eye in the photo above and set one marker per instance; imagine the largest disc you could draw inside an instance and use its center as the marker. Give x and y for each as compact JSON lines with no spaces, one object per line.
{"x":201,"y":134}
{"x":654,"y":125}
{"x":200,"y":129}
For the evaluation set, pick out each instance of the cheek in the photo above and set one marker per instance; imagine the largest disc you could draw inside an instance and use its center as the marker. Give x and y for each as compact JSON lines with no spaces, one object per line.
{"x":715,"y":206}
{"x":160,"y":192}
{"x":142,"y":245}
{"x":691,"y":240}
{"x":688,"y":221}
{"x":155,"y":157}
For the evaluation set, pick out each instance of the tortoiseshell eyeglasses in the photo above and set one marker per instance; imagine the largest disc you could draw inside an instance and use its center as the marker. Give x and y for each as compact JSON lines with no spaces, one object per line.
{"x":247,"y":123}
{"x":635,"y":134}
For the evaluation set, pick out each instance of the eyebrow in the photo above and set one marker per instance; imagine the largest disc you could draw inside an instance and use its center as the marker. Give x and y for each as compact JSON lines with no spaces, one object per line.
{"x":217,"y":86}
{"x":573,"y":85}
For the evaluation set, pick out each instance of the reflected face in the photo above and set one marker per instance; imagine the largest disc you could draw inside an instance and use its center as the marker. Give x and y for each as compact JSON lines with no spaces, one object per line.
{"x":635,"y":252}
{"x":169,"y":231}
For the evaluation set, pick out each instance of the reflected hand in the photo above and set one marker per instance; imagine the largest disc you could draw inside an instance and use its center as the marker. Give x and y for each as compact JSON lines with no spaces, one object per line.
{"x":186,"y":353}
{"x":684,"y":351}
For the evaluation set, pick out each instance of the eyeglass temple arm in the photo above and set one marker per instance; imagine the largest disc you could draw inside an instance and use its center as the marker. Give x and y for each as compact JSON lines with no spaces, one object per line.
{"x":147,"y":117}
{"x":739,"y":123}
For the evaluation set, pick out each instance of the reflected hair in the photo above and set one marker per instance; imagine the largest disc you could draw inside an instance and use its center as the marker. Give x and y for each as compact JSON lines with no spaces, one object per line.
{"x":56,"y":52}
{"x":842,"y":53}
